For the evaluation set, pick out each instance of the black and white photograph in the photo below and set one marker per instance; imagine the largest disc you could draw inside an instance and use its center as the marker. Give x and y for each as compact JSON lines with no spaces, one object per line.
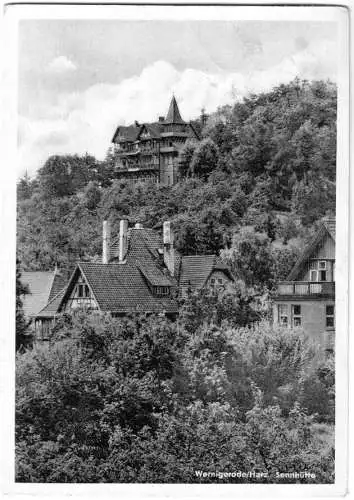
{"x":180,"y":297}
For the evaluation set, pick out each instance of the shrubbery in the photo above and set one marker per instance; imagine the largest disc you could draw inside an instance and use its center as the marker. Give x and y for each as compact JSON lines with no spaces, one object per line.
{"x":145,"y":399}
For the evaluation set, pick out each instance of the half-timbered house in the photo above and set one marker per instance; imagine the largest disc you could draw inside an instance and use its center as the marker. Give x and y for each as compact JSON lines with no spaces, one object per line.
{"x":141,"y":272}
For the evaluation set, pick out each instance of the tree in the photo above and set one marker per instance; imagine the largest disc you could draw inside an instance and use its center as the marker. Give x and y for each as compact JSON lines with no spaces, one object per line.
{"x":25,"y":187}
{"x":250,"y":258}
{"x":205,"y":158}
{"x":314,"y":199}
{"x":144,"y":400}
{"x":92,"y":195}
{"x":23,"y":336}
{"x":66,"y":175}
{"x":186,"y":156}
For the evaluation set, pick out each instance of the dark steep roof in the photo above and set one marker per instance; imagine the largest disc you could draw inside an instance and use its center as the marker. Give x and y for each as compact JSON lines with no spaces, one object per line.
{"x":121,"y":288}
{"x":128,"y":133}
{"x":173,"y":114}
{"x":127,"y":287}
{"x":59,"y":282}
{"x":154,"y":129}
{"x":328,"y":226}
{"x":131,"y":133}
{"x":51,"y":309}
{"x":196,"y":269}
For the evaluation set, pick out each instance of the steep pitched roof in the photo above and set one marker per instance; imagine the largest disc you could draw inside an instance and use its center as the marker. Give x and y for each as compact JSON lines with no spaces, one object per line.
{"x":196,"y":269}
{"x":328,"y":226}
{"x":51,"y":309}
{"x":120,"y":288}
{"x":40,"y":285}
{"x":173,"y":114}
{"x":145,"y":250}
{"x":154,"y":129}
{"x":59,"y":282}
{"x":127,"y":133}
{"x":140,"y":241}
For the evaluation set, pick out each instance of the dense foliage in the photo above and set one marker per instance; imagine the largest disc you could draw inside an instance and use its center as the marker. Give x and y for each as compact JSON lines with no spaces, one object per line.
{"x":143,"y":399}
{"x":266,"y":163}
{"x":150,"y":400}
{"x":23,"y":334}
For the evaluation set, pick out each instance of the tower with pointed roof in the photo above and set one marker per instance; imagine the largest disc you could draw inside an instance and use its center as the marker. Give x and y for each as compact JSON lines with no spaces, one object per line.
{"x":150,"y":151}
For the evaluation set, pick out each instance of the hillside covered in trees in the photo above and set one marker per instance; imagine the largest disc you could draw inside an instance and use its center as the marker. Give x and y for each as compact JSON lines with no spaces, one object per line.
{"x":253,"y":188}
{"x":147,"y":399}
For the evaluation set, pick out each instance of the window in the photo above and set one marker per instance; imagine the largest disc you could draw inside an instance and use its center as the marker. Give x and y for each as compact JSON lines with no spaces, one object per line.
{"x":313,"y":275}
{"x":83,"y":291}
{"x":296,"y":313}
{"x":323,"y":275}
{"x":212,"y":281}
{"x":322,"y":264}
{"x":313,"y":264}
{"x":283,"y":314}
{"x":161,"y":291}
{"x":330,"y":316}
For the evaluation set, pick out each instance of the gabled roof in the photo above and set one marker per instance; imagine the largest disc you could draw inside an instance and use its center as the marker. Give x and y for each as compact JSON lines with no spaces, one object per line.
{"x":40,"y":285}
{"x":129,"y":133}
{"x":328,"y":226}
{"x":155,"y":276}
{"x":59,"y":282}
{"x":154,"y":129}
{"x":196,"y":269}
{"x":173,"y":114}
{"x":51,"y":309}
{"x":119,"y":288}
{"x":145,"y":250}
{"x":140,"y":241}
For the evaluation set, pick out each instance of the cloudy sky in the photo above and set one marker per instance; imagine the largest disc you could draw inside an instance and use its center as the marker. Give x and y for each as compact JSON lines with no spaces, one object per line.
{"x":79,"y":79}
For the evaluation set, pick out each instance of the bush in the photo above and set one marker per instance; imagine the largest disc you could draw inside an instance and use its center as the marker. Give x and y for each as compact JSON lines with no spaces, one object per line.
{"x":144,"y":399}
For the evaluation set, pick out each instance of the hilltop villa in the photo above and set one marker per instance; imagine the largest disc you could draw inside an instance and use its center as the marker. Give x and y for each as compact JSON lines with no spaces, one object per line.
{"x":150,"y":151}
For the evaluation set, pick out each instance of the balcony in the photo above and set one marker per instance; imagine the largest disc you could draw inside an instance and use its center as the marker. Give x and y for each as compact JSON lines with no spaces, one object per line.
{"x":311,"y":289}
{"x":169,"y":149}
{"x":142,"y":167}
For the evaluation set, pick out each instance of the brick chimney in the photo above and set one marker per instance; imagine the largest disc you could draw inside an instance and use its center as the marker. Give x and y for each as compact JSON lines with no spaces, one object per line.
{"x":123,"y":239}
{"x":106,"y":242}
{"x":168,"y":247}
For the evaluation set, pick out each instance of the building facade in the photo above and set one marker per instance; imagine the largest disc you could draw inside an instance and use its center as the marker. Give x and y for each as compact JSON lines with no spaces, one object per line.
{"x":150,"y":151}
{"x":141,"y":272}
{"x":307,"y":298}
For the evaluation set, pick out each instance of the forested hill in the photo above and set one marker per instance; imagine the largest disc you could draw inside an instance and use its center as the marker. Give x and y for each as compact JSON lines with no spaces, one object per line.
{"x":253,"y":189}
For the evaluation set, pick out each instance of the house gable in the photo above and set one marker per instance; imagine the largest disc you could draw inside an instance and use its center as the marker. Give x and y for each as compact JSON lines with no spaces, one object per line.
{"x":78,"y":294}
{"x":218,"y":278}
{"x":322,"y":247}
{"x":196,"y":270}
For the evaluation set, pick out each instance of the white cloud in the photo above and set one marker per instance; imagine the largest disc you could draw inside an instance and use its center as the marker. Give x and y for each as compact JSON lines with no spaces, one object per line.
{"x":85,"y":122}
{"x":61,"y":64}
